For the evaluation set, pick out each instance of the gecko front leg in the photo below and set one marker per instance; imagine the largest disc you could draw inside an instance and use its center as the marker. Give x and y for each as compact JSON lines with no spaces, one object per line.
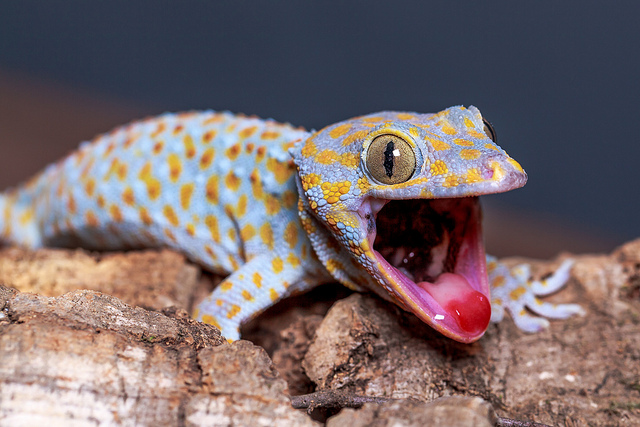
{"x":513,"y":289}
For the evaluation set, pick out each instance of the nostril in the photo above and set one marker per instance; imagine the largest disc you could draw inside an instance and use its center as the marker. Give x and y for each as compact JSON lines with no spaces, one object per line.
{"x":487,"y":173}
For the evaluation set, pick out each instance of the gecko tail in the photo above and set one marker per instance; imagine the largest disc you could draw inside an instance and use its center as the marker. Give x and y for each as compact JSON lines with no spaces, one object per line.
{"x":18,"y":223}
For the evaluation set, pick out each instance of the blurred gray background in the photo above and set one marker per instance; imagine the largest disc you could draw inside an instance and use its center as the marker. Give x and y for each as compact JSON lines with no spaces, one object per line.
{"x":559,"y":81}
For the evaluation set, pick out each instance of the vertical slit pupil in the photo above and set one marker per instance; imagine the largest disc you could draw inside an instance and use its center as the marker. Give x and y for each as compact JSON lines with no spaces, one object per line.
{"x":388,"y":159}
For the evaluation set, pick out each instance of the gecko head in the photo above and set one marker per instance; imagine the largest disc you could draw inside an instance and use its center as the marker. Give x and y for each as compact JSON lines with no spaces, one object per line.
{"x":389,"y":201}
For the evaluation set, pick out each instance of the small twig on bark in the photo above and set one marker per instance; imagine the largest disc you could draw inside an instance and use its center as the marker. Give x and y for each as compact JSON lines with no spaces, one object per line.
{"x":508,"y":422}
{"x":333,"y":399}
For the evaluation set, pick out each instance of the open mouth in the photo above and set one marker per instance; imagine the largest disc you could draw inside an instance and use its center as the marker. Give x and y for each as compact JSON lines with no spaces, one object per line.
{"x":431,"y":256}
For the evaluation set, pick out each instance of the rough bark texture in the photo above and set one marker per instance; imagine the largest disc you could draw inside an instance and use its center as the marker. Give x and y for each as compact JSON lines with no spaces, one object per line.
{"x":582,"y":371}
{"x":153,"y":279}
{"x":448,"y":411}
{"x":86,"y":358}
{"x":89,"y":358}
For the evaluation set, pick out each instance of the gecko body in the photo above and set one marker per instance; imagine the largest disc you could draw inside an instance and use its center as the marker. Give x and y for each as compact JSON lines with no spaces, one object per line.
{"x":385,"y":202}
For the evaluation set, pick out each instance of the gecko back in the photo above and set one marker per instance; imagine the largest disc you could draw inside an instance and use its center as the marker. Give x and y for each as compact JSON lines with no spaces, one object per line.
{"x":200,"y":182}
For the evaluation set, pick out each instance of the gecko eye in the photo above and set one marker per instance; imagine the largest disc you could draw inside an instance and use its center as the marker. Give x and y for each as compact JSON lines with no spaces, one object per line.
{"x":489,"y":131}
{"x":390,"y":159}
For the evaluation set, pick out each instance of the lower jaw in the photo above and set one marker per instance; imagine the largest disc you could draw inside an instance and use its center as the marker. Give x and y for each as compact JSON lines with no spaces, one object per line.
{"x":455,"y":302}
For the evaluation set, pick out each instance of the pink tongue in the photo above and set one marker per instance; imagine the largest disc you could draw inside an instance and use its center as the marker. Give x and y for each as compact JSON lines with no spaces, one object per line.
{"x":470,"y":308}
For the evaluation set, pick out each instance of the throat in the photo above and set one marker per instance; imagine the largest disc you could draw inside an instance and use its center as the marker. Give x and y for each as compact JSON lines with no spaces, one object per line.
{"x":422,"y":238}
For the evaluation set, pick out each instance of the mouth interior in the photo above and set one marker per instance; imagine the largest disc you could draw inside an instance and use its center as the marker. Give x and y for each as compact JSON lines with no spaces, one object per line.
{"x":432,"y":252}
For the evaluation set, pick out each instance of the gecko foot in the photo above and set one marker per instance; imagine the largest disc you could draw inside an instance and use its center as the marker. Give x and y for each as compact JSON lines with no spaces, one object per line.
{"x":514,"y":290}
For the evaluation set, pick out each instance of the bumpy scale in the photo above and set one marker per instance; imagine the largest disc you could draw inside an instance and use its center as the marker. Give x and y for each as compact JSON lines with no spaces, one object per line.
{"x":281,"y":210}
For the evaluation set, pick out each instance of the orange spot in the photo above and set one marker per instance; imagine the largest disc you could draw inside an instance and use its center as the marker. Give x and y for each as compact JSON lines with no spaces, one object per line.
{"x":349,"y":160}
{"x":289,"y":199}
{"x":437,"y":144}
{"x":282,"y":171}
{"x":115,"y":213}
{"x":468,"y":123}
{"x":101,"y":202}
{"x":469,"y":154}
{"x":273,"y":295}
{"x":249,"y":147}
{"x":212,"y":224}
{"x":129,"y":142}
{"x":247,"y":132}
{"x":241,"y":208}
{"x":121,"y":171}
{"x":266,"y":234}
{"x":157,"y":147}
{"x":215,"y":118}
{"x":233,"y":151}
{"x":189,"y":147}
{"x":405,"y":116}
{"x":71,"y":204}
{"x":226,"y":285}
{"x":439,"y":168}
{"x":277,"y":265}
{"x":269,"y":135}
{"x":209,"y":250}
{"x":247,"y":295}
{"x":159,"y":129}
{"x":128,"y":196}
{"x":448,"y":129}
{"x":145,"y":171}
{"x":153,"y":184}
{"x":232,"y":181}
{"x":113,"y":167}
{"x":340,"y":130}
{"x":256,"y":185}
{"x":515,"y":164}
{"x":247,"y":232}
{"x":473,"y":176}
{"x":271,"y":205}
{"x":186,"y":191}
{"x":293,"y":260}
{"x":233,"y":262}
{"x":171,"y":216}
{"x":153,"y":188}
{"x":145,"y":217}
{"x":212,"y":189}
{"x":207,"y":158}
{"x":463,"y":142}
{"x":326,"y":157}
{"x":257,"y":280}
{"x":355,"y":136}
{"x":233,"y":311}
{"x":474,"y":133}
{"x":291,"y":234}
{"x":88,"y":167}
{"x":191,"y":229}
{"x":91,"y":219}
{"x":309,"y":148}
{"x":451,"y":181}
{"x":109,"y":149}
{"x":210,"y":320}
{"x":175,"y":167}
{"x":169,"y":234}
{"x":260,"y":153}
{"x":209,"y":135}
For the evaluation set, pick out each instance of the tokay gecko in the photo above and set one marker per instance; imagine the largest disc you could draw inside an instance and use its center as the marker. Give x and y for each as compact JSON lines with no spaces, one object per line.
{"x":386,"y":202}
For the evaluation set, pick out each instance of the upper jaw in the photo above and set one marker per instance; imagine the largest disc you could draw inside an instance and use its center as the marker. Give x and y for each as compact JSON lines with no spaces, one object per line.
{"x":451,"y":294}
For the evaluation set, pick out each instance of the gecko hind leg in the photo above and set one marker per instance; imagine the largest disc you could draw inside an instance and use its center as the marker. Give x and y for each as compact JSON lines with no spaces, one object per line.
{"x":514,"y":290}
